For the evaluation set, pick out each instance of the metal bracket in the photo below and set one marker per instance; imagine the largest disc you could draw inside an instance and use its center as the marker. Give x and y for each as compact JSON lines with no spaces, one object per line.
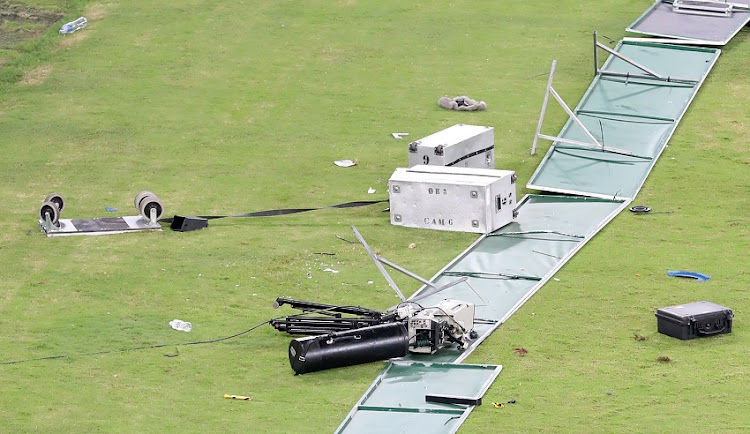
{"x":382,"y":270}
{"x":593,"y":144}
{"x":648,"y":73}
{"x":709,"y":8}
{"x":152,"y":217}
{"x":47,"y":224}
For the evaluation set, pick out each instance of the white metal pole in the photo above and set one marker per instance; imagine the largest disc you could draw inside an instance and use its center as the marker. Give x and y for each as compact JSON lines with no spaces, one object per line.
{"x":544,"y":107}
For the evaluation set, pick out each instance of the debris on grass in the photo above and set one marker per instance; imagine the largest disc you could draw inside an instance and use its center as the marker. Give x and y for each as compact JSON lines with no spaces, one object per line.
{"x":700,"y":277}
{"x":640,"y":209}
{"x":521,"y":351}
{"x":344,"y":239}
{"x":238,"y":397}
{"x":180,"y":325}
{"x":462,"y":103}
{"x":638,"y":337}
{"x":665,"y":359}
{"x":413,"y":245}
{"x":344,"y":163}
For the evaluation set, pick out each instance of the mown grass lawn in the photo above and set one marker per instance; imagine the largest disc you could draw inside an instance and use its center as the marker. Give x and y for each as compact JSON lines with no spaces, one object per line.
{"x":230,"y":107}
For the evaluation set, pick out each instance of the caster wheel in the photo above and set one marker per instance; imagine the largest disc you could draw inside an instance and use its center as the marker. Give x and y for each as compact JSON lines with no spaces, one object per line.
{"x":147,"y":204}
{"x":139,"y":197}
{"x":57,"y":200}
{"x":50,"y":209}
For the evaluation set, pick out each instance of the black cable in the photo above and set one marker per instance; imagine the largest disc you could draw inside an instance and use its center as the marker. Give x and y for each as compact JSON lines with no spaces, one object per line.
{"x":147,"y":347}
{"x":278,"y":212}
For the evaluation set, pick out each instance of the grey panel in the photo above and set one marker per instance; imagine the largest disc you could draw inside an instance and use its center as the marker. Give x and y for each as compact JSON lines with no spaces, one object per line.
{"x":660,"y":20}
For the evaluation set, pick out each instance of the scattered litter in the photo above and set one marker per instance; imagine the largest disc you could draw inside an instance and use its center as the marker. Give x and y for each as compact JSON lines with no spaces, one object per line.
{"x":370,"y":190}
{"x":665,"y":359}
{"x":110,"y":209}
{"x":344,"y":163}
{"x":689,"y":274}
{"x":180,"y":325}
{"x":324,"y":253}
{"x":640,"y":209}
{"x":609,"y":392}
{"x":370,"y":282}
{"x":413,"y":245}
{"x":638,"y":337}
{"x":255,"y":294}
{"x":74,"y":25}
{"x":399,"y":135}
{"x":175,"y":354}
{"x":556,"y":279}
{"x":344,"y":239}
{"x":331,"y":270}
{"x":521,"y":351}
{"x":502,"y":404}
{"x":239,"y":397}
{"x":462,"y":103}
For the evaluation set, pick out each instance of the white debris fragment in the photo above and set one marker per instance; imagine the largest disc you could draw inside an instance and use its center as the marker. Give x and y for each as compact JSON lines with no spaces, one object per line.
{"x":370,"y":190}
{"x":344,"y":163}
{"x":331,"y":270}
{"x":180,"y":325}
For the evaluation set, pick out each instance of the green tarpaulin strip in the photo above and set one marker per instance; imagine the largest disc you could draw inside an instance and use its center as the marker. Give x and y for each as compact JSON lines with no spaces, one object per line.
{"x":397,"y":398}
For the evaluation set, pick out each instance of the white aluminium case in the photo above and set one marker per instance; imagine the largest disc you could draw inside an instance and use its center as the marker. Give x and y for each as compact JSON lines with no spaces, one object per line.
{"x":457,"y":146}
{"x":452,"y":198}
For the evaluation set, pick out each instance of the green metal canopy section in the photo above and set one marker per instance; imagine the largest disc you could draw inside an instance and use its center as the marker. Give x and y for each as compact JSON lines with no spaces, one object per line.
{"x":397,"y":400}
{"x":505,"y":268}
{"x":502,"y":270}
{"x":624,"y":121}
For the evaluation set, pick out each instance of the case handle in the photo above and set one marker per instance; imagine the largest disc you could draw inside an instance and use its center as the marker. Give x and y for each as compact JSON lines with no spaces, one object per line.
{"x":717,"y":330}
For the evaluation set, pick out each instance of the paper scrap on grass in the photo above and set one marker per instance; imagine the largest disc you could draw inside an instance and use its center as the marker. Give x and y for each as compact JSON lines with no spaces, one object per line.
{"x":344,"y":163}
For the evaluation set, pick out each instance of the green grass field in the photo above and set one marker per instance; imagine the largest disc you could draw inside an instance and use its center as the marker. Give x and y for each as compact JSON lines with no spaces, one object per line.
{"x":231,"y":107}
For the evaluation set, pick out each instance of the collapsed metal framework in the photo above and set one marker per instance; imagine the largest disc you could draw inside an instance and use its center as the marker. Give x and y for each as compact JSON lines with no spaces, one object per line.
{"x":542,"y":250}
{"x":599,"y":152}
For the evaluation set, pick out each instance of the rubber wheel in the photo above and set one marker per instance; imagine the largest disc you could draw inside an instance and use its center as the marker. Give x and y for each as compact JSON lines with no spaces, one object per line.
{"x":51,"y":209}
{"x":147,"y":204}
{"x":139,"y":197}
{"x":56,"y":199}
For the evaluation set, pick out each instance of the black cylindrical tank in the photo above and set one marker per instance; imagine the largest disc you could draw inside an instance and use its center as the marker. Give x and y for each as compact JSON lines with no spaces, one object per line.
{"x":350,"y":347}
